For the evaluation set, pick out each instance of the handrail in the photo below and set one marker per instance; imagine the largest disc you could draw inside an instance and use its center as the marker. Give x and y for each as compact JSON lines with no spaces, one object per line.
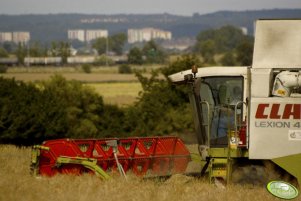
{"x":235,"y":120}
{"x":208,"y":122}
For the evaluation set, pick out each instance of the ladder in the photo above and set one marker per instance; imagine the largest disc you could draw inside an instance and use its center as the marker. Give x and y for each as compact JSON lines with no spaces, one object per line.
{"x":220,"y":168}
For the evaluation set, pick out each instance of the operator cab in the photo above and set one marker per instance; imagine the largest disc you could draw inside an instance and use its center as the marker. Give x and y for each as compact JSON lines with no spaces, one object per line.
{"x":222,"y":93}
{"x":218,"y":100}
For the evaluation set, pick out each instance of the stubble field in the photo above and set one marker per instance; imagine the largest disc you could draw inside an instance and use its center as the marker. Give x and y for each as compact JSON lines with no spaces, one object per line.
{"x":16,"y":183}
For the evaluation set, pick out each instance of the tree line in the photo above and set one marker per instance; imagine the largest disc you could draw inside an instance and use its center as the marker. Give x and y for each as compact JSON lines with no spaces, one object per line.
{"x":57,"y":108}
{"x":226,"y":46}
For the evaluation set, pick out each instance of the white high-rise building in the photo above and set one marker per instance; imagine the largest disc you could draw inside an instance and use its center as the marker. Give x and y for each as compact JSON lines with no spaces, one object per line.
{"x":147,"y":34}
{"x":87,"y":35}
{"x":20,"y":37}
{"x":78,"y":34}
{"x":6,"y":37}
{"x":94,"y":34}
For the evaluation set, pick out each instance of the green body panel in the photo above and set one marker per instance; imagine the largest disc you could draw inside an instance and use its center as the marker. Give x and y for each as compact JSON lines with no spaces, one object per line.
{"x":292,"y":164}
{"x":197,"y":158}
{"x":89,"y":163}
{"x":223,"y":153}
{"x":35,"y":153}
{"x":221,"y":161}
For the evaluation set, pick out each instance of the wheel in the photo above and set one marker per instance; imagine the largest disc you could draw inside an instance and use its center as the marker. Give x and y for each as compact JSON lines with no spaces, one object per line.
{"x":259,"y":173}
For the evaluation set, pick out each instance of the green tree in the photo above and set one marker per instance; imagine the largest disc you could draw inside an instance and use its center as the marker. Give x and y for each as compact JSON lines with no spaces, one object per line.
{"x":86,"y":68}
{"x":21,"y":52}
{"x":28,"y":115}
{"x":55,"y":109}
{"x":153,"y":52}
{"x":135,"y":56}
{"x":77,"y":43}
{"x":161,"y":105}
{"x":100,"y":44}
{"x":124,"y":69}
{"x":208,"y":50}
{"x":244,"y":52}
{"x":36,"y":50}
{"x":82,"y":106}
{"x":103,"y":60}
{"x":114,"y":43}
{"x":225,"y":38}
{"x":112,"y":121}
{"x":9,"y":46}
{"x":60,"y":49}
{"x":228,"y":59}
{"x":64,"y":51}
{"x":3,"y":53}
{"x":182,"y":63}
{"x":54,"y":49}
{"x":117,"y":42}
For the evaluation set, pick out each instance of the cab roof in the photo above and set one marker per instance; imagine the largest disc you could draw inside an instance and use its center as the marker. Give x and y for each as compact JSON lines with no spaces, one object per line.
{"x":210,"y":71}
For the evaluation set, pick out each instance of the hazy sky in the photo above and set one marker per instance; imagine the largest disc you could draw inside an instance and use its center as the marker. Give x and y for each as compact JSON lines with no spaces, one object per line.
{"x":180,"y":7}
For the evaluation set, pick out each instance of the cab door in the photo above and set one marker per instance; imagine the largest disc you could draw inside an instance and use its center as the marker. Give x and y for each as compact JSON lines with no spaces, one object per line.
{"x":218,"y":97}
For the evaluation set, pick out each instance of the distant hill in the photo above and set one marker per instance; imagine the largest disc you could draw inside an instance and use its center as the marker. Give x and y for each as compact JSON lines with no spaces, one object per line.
{"x":53,"y":27}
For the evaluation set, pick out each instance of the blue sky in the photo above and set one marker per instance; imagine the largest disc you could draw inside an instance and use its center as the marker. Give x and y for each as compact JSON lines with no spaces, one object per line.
{"x":180,"y":7}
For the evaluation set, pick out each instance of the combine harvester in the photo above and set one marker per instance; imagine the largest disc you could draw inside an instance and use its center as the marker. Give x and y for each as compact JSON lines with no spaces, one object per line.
{"x":244,"y":117}
{"x":251,"y":116}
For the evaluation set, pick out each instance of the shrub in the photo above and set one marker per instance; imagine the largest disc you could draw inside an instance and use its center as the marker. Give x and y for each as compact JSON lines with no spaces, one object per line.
{"x":56,"y":109}
{"x":3,"y":69}
{"x":86,"y":68}
{"x":103,"y":60}
{"x":161,"y":105}
{"x":125,"y":69}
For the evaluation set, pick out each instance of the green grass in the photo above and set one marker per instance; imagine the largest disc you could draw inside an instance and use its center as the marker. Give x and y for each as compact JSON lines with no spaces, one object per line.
{"x":82,"y":77}
{"x":78,"y":69}
{"x":120,"y":93}
{"x":120,"y":89}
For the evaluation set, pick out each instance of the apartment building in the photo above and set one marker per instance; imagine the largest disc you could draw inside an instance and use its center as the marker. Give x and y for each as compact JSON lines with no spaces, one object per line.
{"x":147,"y":34}
{"x":87,"y":35}
{"x":21,"y":37}
{"x":97,"y":33}
{"x":6,"y":36}
{"x":77,"y":34}
{"x":16,"y":37}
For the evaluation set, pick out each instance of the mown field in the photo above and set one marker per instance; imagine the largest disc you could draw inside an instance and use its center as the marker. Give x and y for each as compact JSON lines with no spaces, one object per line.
{"x":83,"y":77}
{"x":16,"y":183}
{"x":115,"y":88}
{"x":119,"y":93}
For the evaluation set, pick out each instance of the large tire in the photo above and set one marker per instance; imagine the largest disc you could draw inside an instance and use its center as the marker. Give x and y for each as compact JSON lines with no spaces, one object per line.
{"x":253,"y":174}
{"x":259,"y":173}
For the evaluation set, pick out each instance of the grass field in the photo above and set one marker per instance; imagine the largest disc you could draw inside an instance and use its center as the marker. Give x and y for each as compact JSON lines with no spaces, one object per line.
{"x":119,"y":89}
{"x":119,"y":93}
{"x":17,"y":184}
{"x":83,"y":77}
{"x":115,"y":88}
{"x":78,"y":69}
